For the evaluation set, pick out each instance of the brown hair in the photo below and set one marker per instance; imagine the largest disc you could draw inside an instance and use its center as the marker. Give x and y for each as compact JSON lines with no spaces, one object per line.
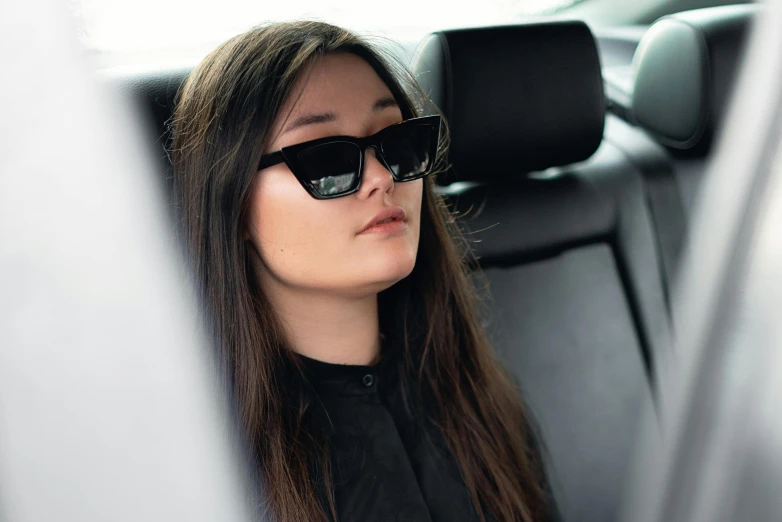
{"x":221,"y":125}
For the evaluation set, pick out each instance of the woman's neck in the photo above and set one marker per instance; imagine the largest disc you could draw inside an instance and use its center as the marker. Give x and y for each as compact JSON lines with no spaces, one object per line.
{"x":330,"y":328}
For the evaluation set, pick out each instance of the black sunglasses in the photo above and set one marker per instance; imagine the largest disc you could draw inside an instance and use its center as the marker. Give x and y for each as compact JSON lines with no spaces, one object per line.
{"x":331,"y":167}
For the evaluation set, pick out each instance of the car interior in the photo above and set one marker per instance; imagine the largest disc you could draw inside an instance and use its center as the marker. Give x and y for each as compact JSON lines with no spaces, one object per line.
{"x":577,"y":156}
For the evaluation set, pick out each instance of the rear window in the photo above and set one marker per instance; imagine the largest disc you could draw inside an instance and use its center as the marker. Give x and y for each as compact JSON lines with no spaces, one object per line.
{"x":145,"y":25}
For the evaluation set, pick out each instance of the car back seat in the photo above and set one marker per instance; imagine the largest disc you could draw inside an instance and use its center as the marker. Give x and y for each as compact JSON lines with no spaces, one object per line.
{"x":577,"y":305}
{"x":578,"y":311}
{"x":682,"y":77}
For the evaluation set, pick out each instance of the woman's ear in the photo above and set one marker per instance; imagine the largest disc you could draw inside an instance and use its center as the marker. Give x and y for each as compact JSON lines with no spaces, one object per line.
{"x":245,"y":231}
{"x":247,"y":238}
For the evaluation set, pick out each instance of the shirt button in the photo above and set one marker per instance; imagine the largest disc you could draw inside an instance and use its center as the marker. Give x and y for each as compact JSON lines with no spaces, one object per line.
{"x":368,"y":380}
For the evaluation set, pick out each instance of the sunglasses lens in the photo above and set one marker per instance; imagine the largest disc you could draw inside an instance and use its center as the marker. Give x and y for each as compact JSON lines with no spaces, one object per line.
{"x":331,"y":168}
{"x":409,"y":150}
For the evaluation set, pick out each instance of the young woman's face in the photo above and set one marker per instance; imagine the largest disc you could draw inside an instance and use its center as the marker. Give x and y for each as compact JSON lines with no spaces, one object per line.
{"x":315,"y":244}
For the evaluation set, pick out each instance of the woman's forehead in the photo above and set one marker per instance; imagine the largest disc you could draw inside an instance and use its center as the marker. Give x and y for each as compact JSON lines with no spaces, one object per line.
{"x":339,"y":94}
{"x":341,"y":83}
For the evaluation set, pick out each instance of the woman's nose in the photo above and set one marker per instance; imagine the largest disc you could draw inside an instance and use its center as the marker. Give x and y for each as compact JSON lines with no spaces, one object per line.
{"x":375,"y":177}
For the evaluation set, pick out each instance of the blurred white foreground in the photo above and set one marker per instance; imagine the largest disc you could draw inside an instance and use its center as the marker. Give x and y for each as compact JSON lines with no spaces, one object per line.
{"x":108,"y":403}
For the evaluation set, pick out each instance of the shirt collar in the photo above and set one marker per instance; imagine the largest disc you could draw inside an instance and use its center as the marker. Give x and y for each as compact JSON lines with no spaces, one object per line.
{"x":352,"y":379}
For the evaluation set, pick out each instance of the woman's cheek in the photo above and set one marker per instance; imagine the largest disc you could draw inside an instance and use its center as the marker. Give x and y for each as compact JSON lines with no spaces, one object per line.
{"x":311,"y":243}
{"x":298,"y":237}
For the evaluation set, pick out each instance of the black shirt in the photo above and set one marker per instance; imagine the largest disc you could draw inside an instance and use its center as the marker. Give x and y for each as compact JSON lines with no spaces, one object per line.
{"x":388,"y":461}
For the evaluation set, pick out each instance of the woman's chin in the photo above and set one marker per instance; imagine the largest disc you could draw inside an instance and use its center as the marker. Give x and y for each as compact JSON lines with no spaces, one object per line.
{"x":380,"y":272}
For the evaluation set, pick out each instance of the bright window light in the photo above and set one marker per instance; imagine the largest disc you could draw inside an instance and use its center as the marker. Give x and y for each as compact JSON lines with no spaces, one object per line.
{"x":146,"y":25}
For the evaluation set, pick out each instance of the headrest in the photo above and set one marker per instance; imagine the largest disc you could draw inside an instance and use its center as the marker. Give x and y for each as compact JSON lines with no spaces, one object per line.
{"x":684,"y":70}
{"x":155,"y":91}
{"x":517,"y":98}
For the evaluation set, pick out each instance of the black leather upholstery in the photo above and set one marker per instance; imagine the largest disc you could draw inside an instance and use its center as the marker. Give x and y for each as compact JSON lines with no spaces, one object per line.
{"x":663,"y":193}
{"x":685,"y":65}
{"x":575,"y":303}
{"x":684,"y":68}
{"x":523,"y":112}
{"x":576,"y":308}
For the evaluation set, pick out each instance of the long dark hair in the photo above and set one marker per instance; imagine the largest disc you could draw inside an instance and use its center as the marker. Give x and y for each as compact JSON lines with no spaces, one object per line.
{"x":221,"y":124}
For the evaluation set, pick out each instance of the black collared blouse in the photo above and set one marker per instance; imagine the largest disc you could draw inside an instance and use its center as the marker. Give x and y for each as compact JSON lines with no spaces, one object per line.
{"x":389,"y":463}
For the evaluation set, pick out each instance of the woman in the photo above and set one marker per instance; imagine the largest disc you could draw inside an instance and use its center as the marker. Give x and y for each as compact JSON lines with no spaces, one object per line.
{"x":337,"y":296}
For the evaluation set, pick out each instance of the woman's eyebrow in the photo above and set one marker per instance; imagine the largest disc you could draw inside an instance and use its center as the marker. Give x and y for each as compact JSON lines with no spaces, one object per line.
{"x":310,"y":119}
{"x":385,"y":102}
{"x":327,"y":117}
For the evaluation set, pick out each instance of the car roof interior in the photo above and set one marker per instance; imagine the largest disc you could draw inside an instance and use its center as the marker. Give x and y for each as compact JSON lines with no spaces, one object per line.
{"x":576,"y":159}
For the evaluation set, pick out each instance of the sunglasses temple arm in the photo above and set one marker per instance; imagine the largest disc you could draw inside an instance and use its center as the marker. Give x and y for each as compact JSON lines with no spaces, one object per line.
{"x":271,"y":159}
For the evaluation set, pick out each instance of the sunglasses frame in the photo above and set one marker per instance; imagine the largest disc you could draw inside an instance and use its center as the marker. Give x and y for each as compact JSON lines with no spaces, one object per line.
{"x":288,"y":155}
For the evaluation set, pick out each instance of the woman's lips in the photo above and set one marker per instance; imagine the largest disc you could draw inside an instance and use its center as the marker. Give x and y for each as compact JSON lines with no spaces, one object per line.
{"x":392,"y":220}
{"x":388,"y":228}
